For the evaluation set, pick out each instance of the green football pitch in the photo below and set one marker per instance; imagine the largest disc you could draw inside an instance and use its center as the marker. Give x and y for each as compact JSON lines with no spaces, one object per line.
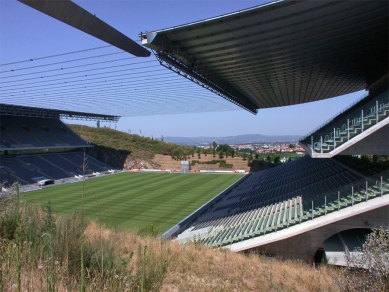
{"x":135,"y":200}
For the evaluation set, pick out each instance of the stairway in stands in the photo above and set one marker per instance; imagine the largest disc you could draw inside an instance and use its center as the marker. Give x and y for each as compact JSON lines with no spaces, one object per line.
{"x":366,"y":116}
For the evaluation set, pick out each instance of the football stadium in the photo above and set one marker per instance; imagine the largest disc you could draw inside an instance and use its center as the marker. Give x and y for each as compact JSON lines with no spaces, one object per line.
{"x":278,"y":54}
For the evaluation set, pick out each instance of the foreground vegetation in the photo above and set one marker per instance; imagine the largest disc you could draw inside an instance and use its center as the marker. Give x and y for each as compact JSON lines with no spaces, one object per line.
{"x":42,"y":252}
{"x":135,"y":199}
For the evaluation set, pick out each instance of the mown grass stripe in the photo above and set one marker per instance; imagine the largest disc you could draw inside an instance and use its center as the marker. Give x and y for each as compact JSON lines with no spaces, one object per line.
{"x":136,"y":200}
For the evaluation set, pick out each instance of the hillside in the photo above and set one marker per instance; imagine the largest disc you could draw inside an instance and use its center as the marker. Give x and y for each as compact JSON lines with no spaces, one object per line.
{"x":125,"y":150}
{"x":138,"y":146}
{"x":129,"y":151}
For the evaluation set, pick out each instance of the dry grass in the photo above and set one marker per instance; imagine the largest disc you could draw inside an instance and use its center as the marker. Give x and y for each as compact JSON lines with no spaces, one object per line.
{"x":125,"y":261}
{"x":168,"y":163}
{"x":189,"y":268}
{"x":195,"y":267}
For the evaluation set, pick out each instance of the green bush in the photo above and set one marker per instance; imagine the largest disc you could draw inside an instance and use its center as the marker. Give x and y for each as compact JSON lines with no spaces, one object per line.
{"x":8,"y":225}
{"x":223,"y":164}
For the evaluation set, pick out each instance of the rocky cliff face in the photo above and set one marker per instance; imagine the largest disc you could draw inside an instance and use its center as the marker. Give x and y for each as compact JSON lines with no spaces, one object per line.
{"x":137,"y":163}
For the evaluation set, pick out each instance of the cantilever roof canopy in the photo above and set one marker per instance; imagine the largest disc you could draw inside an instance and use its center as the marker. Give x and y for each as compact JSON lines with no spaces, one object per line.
{"x":281,"y":53}
{"x":27,"y":111}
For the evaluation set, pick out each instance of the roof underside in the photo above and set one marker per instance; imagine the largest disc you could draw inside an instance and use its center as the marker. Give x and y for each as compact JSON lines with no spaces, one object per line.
{"x":17,"y":110}
{"x":283,"y":53}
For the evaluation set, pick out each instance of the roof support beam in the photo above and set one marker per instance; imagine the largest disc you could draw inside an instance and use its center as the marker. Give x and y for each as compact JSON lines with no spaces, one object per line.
{"x":228,"y":93}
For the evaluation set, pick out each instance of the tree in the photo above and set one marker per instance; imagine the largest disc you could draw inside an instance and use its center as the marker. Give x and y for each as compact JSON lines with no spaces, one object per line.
{"x":214,"y":145}
{"x":199,"y":153}
{"x":221,"y":154}
{"x":276,"y":159}
{"x":162,"y":138}
{"x":232,"y":153}
{"x":250,"y":158}
{"x":224,"y":148}
{"x":244,"y":156}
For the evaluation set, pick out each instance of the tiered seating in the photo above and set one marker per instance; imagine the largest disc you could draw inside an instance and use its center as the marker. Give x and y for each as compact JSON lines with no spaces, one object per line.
{"x":304,"y":177}
{"x":348,"y":124}
{"x":28,"y":169}
{"x":19,"y":132}
{"x":363,"y":167}
{"x":283,"y":196}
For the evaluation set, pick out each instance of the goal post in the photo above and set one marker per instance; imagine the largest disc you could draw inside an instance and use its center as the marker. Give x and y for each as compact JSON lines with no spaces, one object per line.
{"x":185,"y":166}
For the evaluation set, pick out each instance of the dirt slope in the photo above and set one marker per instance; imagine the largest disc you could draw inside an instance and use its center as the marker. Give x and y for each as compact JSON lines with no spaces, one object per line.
{"x":167,"y":162}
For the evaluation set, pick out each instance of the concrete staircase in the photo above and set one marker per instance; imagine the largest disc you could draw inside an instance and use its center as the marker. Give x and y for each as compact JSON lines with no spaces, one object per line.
{"x":350,"y":127}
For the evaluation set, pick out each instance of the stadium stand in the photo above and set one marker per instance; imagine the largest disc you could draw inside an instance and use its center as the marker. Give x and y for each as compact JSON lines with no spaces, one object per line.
{"x":321,"y":50}
{"x":287,"y":195}
{"x":351,"y":122}
{"x":30,"y":169}
{"x":361,"y":166}
{"x":20,"y":132}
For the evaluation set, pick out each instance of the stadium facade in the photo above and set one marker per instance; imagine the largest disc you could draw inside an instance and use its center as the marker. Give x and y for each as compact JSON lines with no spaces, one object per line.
{"x":278,"y":54}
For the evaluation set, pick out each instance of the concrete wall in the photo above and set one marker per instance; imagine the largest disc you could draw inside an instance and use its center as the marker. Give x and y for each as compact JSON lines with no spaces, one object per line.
{"x":304,"y":246}
{"x":375,"y":143}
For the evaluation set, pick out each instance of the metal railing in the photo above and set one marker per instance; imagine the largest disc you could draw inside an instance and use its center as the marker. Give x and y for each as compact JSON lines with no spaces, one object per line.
{"x":366,"y":94}
{"x":347,"y":195}
{"x":317,"y":206}
{"x":357,"y":121}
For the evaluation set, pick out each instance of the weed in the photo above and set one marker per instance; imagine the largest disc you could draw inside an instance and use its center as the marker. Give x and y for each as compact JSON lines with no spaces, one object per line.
{"x":48,"y":258}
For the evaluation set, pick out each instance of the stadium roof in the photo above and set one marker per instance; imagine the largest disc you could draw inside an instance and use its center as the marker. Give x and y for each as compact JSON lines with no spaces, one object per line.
{"x":281,"y":53}
{"x":17,"y":110}
{"x":105,"y":81}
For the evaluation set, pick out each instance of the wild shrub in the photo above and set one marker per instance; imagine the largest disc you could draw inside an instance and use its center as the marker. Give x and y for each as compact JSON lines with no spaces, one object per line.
{"x":223,"y":164}
{"x":9,"y":214}
{"x":9,"y":223}
{"x":367,"y":268}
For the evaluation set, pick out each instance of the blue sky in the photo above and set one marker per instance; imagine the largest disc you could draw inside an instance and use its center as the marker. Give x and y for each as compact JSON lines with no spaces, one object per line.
{"x":26,"y":33}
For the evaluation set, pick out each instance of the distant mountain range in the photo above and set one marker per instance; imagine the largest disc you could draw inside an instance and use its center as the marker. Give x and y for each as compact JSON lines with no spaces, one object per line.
{"x":240,"y":139}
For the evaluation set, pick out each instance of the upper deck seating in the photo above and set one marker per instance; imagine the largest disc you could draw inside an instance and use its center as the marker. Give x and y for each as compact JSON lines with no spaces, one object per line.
{"x":19,"y":132}
{"x":351,"y":122}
